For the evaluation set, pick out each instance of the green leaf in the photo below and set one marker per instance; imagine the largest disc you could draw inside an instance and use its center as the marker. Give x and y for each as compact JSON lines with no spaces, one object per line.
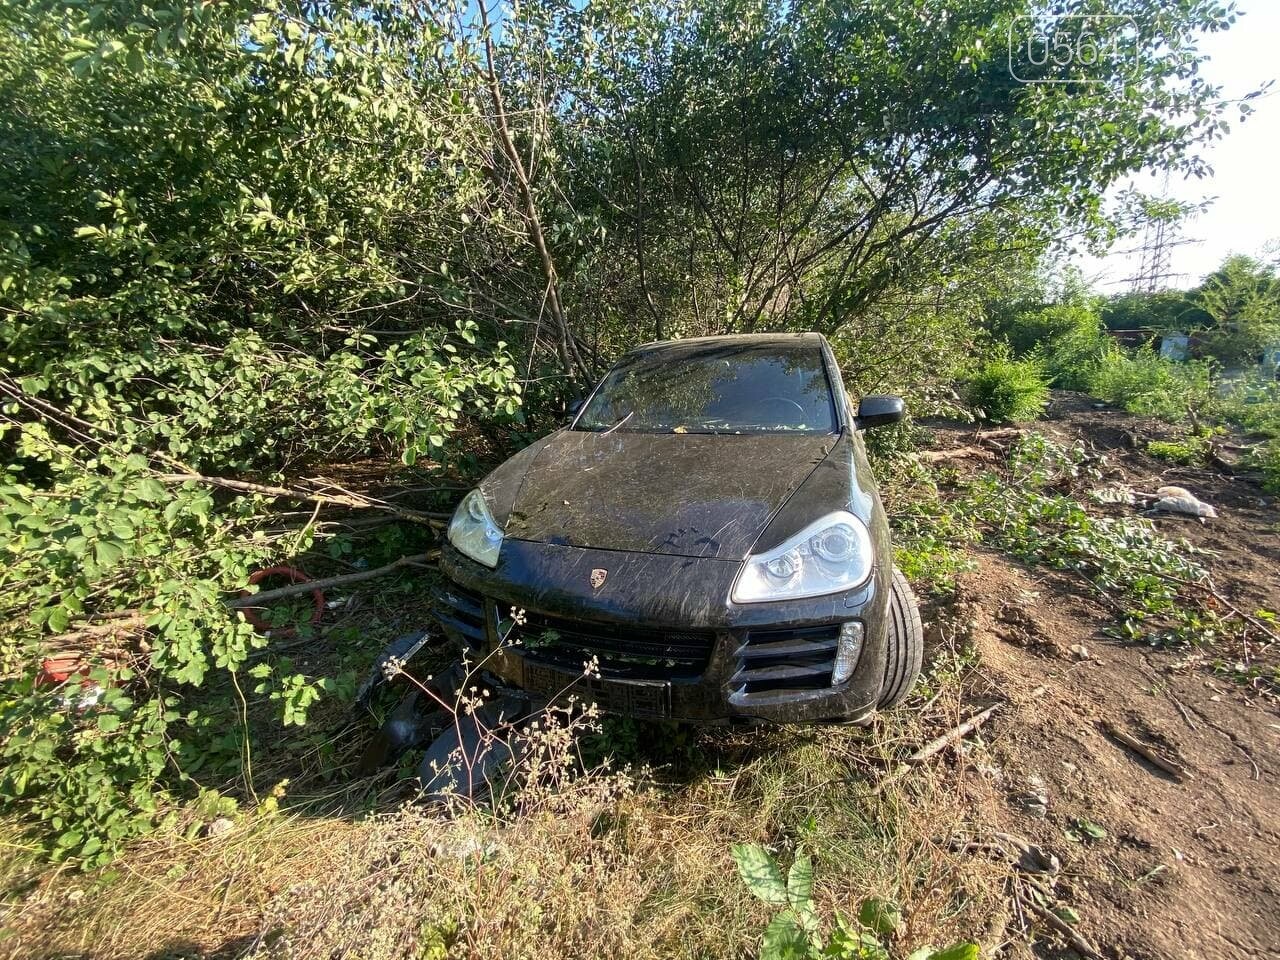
{"x":880,"y":916}
{"x":759,"y":871}
{"x":957,"y":951}
{"x":108,"y":722}
{"x":783,"y":939}
{"x":1067,"y":915}
{"x":800,"y":882}
{"x":107,"y":553}
{"x":58,"y":618}
{"x":1091,"y":829}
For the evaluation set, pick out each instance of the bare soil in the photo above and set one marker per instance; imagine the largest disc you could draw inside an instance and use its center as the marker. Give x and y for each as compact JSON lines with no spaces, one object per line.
{"x":1188,"y":867}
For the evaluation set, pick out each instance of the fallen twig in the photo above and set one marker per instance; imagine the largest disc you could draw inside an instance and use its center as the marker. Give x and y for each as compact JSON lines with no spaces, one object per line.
{"x":955,"y":733}
{"x":344,"y":499}
{"x":1069,"y":933}
{"x":955,"y":453}
{"x":1171,"y":767}
{"x":309,"y":586}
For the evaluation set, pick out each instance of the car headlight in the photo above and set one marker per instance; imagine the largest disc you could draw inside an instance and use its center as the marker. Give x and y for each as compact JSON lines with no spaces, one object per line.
{"x":827,"y":556}
{"x":473,"y":530}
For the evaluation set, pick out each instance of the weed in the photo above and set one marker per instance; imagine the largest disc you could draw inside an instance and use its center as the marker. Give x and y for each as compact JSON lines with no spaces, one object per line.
{"x":1188,"y":450}
{"x":1143,"y":382}
{"x":795,"y":932}
{"x":1009,"y":390}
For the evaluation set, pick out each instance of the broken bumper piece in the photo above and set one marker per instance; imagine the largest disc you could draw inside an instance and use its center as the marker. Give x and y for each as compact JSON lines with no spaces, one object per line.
{"x":468,"y":744}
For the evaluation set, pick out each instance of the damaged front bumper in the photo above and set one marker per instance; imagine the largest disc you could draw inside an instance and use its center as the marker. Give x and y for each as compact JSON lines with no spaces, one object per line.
{"x":659,"y":638}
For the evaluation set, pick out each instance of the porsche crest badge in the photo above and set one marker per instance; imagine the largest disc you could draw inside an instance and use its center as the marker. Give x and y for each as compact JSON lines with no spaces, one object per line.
{"x":598,"y":577}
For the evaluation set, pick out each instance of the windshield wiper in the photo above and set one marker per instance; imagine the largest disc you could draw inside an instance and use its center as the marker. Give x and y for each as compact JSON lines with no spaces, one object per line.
{"x":618,"y":424}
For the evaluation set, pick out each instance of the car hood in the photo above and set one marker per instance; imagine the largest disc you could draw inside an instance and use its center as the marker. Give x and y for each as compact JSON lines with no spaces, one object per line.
{"x":691,"y":495}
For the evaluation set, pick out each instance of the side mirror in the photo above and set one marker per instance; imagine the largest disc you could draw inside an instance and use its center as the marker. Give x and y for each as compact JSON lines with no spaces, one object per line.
{"x":878,"y":410}
{"x":573,"y":411}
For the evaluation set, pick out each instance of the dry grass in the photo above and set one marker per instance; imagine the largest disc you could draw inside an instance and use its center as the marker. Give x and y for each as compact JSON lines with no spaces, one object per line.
{"x":611,"y":864}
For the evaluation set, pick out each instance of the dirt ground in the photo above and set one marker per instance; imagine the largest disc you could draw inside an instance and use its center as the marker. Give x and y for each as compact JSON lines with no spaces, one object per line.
{"x":1186,"y":867}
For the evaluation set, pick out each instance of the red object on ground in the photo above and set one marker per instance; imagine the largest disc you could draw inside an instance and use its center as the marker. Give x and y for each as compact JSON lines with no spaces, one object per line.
{"x":56,"y":670}
{"x":294,"y":575}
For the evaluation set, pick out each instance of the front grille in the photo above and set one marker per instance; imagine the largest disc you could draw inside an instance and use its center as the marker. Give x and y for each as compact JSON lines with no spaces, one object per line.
{"x":623,"y":651}
{"x":462,"y":611}
{"x":771,"y":660}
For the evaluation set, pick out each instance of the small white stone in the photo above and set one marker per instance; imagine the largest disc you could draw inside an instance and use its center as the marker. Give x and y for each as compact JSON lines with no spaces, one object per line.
{"x":220,"y":827}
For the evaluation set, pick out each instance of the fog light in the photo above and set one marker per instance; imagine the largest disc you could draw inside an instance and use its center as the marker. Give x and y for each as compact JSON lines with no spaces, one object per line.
{"x":847,"y":652}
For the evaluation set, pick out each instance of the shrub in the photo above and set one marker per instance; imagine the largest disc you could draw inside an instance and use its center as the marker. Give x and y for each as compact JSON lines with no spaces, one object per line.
{"x":1267,"y":459}
{"x":204,"y":231}
{"x":1253,"y":403}
{"x":1006,"y":390}
{"x":1191,"y":449}
{"x":1065,"y":338}
{"x":1070,"y":355}
{"x":1143,"y":382}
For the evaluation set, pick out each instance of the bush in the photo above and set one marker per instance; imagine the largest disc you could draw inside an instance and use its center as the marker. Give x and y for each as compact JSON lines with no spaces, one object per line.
{"x":1006,"y":390}
{"x":1145,"y":383}
{"x":1065,"y":338}
{"x":1192,"y":449}
{"x":1071,"y":352}
{"x":205,"y":227}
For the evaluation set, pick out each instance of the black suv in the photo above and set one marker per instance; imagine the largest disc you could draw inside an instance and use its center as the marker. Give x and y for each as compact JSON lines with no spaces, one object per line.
{"x":706,"y":532}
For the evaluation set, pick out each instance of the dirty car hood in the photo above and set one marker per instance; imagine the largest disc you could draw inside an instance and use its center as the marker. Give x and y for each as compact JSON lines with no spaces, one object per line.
{"x":691,"y":495}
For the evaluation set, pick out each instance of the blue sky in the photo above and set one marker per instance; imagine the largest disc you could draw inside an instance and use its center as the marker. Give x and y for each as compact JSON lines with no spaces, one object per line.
{"x":1245,"y":187}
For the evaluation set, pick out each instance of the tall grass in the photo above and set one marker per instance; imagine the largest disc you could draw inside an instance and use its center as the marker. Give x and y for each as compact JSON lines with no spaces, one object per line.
{"x":640,"y":869}
{"x":1144,"y":383}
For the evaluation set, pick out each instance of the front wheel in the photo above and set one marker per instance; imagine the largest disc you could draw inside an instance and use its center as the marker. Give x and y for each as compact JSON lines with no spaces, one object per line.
{"x":905,"y":641}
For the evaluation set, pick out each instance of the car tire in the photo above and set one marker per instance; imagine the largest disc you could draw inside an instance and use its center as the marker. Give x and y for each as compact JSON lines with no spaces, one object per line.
{"x":905,"y":642}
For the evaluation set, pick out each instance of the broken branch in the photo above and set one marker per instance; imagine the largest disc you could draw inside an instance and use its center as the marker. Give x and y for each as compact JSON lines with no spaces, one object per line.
{"x":1069,"y":933}
{"x":309,"y":586}
{"x":956,"y":453}
{"x":1170,"y":767}
{"x":345,"y":499}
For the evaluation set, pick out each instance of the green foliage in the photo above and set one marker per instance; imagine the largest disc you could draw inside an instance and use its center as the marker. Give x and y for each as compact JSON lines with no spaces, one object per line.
{"x":930,"y":538}
{"x":1190,"y":449}
{"x":1006,"y":390}
{"x":1166,"y":310}
{"x":1267,"y":459}
{"x":1143,"y":382}
{"x":1242,"y":301}
{"x":1233,"y":312}
{"x":108,"y":536}
{"x":795,"y":931}
{"x":1126,"y":559}
{"x":206,"y":228}
{"x":1068,"y":352}
{"x":1254,"y":404}
{"x":1029,"y":329}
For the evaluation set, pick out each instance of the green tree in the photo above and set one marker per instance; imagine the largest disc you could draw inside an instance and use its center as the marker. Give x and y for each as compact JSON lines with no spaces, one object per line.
{"x":1242,"y":302}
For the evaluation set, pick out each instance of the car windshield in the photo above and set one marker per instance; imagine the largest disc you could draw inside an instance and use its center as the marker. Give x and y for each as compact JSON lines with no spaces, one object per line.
{"x":715,"y":388}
